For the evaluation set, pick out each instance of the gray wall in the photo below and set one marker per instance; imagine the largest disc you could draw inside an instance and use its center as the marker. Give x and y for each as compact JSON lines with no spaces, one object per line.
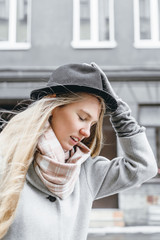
{"x":52,"y":35}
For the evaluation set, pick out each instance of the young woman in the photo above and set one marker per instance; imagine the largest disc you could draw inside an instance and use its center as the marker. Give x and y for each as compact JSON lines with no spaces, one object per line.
{"x":50,"y":171}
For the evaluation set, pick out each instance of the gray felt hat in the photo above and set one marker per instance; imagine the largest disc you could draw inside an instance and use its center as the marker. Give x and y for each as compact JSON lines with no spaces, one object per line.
{"x":76,"y":78}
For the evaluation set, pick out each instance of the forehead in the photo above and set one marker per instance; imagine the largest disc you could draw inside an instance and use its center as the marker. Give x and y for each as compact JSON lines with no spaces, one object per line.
{"x":89,"y":104}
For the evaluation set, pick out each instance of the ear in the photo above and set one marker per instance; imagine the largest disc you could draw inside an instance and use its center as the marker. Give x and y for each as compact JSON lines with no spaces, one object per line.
{"x":52,"y":96}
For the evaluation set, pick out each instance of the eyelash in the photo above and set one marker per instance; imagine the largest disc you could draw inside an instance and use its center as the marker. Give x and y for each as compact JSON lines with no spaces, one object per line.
{"x":82,"y":119}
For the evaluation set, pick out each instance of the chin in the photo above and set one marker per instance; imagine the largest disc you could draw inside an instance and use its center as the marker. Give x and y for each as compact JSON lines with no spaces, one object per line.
{"x":67,"y":148}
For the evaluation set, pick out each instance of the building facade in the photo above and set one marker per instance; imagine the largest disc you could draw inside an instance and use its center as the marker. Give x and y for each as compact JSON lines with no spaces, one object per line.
{"x":121,"y":36}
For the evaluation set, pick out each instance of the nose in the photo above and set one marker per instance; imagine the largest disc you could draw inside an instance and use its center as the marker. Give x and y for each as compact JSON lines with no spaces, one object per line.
{"x":85,"y":132}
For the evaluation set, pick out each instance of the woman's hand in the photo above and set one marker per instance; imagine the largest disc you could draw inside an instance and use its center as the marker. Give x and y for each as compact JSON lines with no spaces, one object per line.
{"x":122,"y":121}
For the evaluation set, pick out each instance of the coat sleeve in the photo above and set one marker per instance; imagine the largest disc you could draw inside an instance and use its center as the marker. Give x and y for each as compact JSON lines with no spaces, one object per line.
{"x":105,"y":177}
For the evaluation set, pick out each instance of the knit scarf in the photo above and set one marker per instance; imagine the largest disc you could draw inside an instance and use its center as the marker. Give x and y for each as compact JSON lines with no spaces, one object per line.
{"x":57,"y":169}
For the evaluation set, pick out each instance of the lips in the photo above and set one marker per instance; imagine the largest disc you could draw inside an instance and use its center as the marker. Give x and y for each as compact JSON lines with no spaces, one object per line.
{"x":75,"y":139}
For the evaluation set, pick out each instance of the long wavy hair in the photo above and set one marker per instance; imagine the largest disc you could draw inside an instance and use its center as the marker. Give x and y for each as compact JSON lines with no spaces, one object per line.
{"x":18,"y":141}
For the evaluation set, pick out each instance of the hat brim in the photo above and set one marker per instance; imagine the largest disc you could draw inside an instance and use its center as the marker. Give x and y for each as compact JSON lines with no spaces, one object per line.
{"x":111,"y":103}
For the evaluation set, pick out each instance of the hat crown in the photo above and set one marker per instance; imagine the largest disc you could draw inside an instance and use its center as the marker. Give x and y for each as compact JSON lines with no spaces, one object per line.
{"x":76,"y":74}
{"x":77,"y":78}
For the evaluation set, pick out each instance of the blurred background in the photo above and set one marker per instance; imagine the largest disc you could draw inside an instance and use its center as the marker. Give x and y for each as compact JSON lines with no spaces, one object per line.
{"x":123,"y":38}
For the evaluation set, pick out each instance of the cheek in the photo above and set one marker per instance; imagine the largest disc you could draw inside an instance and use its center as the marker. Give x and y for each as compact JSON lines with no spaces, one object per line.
{"x":60,"y":124}
{"x":64,"y":122}
{"x":68,"y":124}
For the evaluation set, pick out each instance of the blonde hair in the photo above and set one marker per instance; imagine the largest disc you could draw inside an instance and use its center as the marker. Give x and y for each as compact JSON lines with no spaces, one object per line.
{"x":18,"y":142}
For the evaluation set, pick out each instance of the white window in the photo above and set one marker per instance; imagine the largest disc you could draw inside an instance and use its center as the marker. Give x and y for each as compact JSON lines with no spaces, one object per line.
{"x":147,"y":23}
{"x":93,"y":24}
{"x":15,"y":24}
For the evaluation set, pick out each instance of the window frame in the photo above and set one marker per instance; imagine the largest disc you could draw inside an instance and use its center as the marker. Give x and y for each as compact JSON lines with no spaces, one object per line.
{"x":154,"y":42}
{"x":93,"y":42}
{"x":11,"y":44}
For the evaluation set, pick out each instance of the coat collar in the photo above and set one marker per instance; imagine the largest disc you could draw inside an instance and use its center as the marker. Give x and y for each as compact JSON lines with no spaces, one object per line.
{"x":36,"y":182}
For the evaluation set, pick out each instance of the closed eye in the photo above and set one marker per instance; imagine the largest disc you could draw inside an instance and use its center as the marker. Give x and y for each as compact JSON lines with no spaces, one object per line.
{"x":82,"y":119}
{"x":85,"y":116}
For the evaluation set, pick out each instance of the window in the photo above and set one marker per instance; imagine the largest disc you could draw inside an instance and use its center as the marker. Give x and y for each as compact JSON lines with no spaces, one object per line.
{"x":93,"y":24}
{"x":15,"y":24}
{"x":147,"y":23}
{"x":149,"y":116}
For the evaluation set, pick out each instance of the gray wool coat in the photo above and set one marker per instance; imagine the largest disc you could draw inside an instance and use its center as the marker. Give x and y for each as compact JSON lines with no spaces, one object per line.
{"x":42,"y":216}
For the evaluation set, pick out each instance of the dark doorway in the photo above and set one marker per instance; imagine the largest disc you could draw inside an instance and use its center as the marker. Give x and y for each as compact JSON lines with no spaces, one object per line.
{"x":109,"y":151}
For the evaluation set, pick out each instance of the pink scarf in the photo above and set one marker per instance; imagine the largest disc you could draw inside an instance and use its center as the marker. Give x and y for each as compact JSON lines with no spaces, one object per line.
{"x":58,"y":170}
